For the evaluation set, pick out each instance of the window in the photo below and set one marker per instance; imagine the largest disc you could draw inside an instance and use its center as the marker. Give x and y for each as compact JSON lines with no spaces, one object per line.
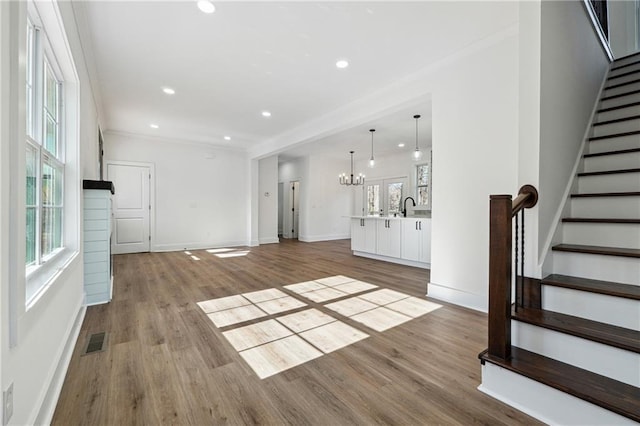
{"x":422,"y":184}
{"x":45,"y":162}
{"x":385,"y":196}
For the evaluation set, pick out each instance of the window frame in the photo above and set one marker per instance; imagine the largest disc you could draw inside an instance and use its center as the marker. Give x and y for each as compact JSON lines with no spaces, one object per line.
{"x":41,"y":59}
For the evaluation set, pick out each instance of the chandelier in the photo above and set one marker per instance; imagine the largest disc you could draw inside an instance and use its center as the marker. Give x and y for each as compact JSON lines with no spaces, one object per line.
{"x":350,"y":180}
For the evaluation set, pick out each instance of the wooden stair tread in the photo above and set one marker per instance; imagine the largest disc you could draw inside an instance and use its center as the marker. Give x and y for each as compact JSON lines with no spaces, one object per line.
{"x":615,"y":86}
{"x":607,"y":393}
{"x":607,"y":334}
{"x":624,"y":74}
{"x":614,"y":135}
{"x":606,"y":251}
{"x":606,"y":194}
{"x":630,"y":64}
{"x":608,"y":288}
{"x":599,"y":220}
{"x":621,"y":95}
{"x":618,"y":152}
{"x":609,"y":172}
{"x":618,"y":107}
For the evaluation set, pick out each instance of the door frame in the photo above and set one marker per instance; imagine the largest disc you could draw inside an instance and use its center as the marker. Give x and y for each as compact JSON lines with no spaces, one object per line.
{"x":152,"y":193}
{"x":294,"y":210}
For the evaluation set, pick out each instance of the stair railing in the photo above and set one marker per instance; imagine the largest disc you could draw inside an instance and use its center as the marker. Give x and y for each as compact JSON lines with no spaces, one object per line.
{"x":502,"y":210}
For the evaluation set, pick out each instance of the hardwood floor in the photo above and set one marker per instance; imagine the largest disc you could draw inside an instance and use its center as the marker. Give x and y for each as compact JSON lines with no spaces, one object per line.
{"x":167,"y":363}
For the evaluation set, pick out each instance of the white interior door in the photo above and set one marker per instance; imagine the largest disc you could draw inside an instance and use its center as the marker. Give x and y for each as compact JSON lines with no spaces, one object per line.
{"x":131,"y":207}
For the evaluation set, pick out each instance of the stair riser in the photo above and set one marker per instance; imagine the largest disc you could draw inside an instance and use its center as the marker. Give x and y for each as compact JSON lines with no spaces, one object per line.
{"x":630,"y":68}
{"x":625,"y":79}
{"x":612,"y":310}
{"x":625,"y":61}
{"x":618,"y":113}
{"x":621,"y":182}
{"x":612,"y":207}
{"x":602,"y":234}
{"x":623,"y":100}
{"x":623,"y":89}
{"x":543,"y":402}
{"x":620,"y":127}
{"x":623,"y":270}
{"x":614,"y":144}
{"x":617,"y":364}
{"x":612,"y":162}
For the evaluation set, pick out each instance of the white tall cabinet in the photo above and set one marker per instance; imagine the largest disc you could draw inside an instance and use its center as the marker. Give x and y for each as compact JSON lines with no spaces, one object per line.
{"x":98,"y":276}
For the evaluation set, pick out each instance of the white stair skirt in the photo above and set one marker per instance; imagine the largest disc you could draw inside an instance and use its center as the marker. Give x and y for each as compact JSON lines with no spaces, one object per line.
{"x":545,"y":403}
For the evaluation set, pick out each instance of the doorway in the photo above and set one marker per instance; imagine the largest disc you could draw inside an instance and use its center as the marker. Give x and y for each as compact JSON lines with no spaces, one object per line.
{"x":384,"y":196}
{"x":131,"y":206}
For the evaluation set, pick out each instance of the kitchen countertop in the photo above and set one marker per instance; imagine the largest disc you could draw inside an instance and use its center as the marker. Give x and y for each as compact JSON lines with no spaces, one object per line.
{"x":392,"y":217}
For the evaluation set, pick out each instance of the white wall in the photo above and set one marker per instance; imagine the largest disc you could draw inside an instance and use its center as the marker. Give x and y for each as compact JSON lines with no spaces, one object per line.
{"x":572,"y":68}
{"x":199,"y":191}
{"x":324,"y":203}
{"x":623,"y":27}
{"x":268,"y":200}
{"x":46,"y":333}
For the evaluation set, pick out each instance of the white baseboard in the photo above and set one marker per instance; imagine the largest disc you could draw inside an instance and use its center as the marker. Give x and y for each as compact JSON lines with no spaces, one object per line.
{"x":473,"y":301}
{"x":398,"y":260}
{"x":48,"y":406}
{"x":316,"y":238}
{"x":270,"y":240}
{"x":543,"y":402}
{"x":197,"y":246}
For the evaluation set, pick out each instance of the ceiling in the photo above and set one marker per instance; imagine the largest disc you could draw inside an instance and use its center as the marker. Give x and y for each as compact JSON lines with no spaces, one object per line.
{"x":247,"y":57}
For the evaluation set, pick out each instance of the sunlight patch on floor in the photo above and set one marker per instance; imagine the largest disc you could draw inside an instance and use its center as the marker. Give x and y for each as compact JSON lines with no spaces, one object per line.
{"x":286,"y":341}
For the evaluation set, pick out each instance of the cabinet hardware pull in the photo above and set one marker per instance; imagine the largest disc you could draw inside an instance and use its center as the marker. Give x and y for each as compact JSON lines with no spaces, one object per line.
{"x":420,"y":225}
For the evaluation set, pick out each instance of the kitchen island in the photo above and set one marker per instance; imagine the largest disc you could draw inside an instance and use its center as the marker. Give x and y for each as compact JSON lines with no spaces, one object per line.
{"x":397,"y":239}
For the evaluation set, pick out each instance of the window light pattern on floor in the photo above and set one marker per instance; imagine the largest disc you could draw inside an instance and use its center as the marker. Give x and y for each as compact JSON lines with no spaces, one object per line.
{"x":288,"y":340}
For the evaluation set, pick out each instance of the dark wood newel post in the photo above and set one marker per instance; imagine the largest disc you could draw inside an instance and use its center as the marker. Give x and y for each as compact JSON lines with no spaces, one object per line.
{"x":500,"y":211}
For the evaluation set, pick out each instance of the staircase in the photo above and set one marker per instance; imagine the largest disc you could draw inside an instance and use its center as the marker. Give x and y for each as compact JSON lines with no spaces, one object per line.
{"x":575,"y":357}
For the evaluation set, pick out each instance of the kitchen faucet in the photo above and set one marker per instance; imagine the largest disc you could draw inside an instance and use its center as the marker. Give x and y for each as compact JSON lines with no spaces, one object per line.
{"x":404,"y":205}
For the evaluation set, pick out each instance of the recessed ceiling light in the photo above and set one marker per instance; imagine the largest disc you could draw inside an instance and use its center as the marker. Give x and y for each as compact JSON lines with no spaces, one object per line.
{"x":401,"y":145}
{"x":266,"y":114}
{"x":206,"y":6}
{"x":168,"y":91}
{"x":227,"y":138}
{"x":342,"y":63}
{"x":154,"y":126}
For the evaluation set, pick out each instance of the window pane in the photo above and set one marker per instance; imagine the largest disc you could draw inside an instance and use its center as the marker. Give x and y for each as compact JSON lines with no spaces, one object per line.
{"x":395,"y":197}
{"x":31,"y":235}
{"x":51,"y":231}
{"x":32,"y":175}
{"x":373,"y":199}
{"x":51,"y":137}
{"x":423,"y":195}
{"x":51,"y":92}
{"x":423,"y":174}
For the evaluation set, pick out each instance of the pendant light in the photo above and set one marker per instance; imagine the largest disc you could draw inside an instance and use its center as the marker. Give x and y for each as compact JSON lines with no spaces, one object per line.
{"x":349,"y":180}
{"x":417,"y":154}
{"x":372,"y":162}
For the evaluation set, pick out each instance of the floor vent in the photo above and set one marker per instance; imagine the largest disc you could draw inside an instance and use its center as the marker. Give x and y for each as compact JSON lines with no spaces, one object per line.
{"x":96,"y":343}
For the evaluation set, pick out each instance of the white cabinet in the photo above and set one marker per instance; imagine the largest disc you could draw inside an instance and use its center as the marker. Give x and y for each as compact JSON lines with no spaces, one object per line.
{"x":389,"y":237}
{"x":416,"y":240}
{"x":363,"y":235}
{"x":97,"y":242}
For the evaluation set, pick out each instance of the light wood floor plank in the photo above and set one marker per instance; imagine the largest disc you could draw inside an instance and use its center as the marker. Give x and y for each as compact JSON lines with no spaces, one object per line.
{"x":167,"y":363}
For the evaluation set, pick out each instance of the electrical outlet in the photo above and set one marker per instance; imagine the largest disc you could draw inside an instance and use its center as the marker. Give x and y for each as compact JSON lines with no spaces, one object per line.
{"x":7,"y":398}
